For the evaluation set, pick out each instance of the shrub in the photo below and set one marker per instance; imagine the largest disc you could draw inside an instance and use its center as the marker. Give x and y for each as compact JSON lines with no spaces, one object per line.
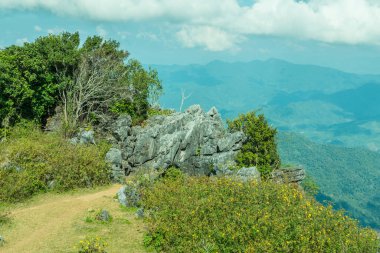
{"x":225,"y":215}
{"x":92,"y":245}
{"x":4,"y":218}
{"x":32,"y":162}
{"x":260,"y":148}
{"x":173,"y":173}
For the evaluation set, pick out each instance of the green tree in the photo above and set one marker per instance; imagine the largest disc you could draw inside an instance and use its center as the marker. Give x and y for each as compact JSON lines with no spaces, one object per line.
{"x":92,"y":82}
{"x":259,"y":148}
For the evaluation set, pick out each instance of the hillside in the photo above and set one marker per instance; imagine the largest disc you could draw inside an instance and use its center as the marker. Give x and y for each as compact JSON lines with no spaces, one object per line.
{"x":328,"y":105}
{"x":347,"y":176}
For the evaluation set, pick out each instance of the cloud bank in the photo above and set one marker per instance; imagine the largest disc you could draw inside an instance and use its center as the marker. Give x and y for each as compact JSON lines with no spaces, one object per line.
{"x":222,"y":24}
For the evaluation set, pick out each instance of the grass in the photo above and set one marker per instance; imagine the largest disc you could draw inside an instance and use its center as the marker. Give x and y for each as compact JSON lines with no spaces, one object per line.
{"x":225,"y":215}
{"x":32,"y":162}
{"x":57,"y":222}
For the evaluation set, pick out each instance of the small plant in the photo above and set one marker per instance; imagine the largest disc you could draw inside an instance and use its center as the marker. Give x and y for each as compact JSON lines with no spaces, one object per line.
{"x":92,"y":245}
{"x":153,"y":111}
{"x":198,"y":151}
{"x":103,"y":216}
{"x":4,"y":218}
{"x":100,"y":215}
{"x":2,"y":240}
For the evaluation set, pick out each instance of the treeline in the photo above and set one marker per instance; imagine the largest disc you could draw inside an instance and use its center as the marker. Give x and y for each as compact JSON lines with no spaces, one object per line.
{"x":88,"y":83}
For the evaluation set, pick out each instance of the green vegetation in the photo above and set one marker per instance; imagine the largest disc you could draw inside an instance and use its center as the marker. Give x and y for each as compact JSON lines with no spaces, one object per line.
{"x":92,"y":245}
{"x":89,"y":83}
{"x":34,"y":162}
{"x":226,"y":215}
{"x":348,"y":177}
{"x":152,"y":111}
{"x":310,"y":186}
{"x":260,"y":148}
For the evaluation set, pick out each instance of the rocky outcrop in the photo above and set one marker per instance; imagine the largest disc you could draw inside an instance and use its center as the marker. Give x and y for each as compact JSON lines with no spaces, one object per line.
{"x":193,"y":141}
{"x":288,"y":175}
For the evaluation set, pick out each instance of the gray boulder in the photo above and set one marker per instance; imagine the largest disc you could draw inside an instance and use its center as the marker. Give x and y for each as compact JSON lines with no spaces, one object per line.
{"x":104,"y":216}
{"x":128,"y":195}
{"x":193,"y":141}
{"x":122,"y":127}
{"x":84,"y":137}
{"x":113,"y":157}
{"x":250,"y":173}
{"x":122,"y":197}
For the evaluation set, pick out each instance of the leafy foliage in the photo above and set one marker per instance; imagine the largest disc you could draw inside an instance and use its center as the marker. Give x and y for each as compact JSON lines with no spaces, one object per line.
{"x":90,"y":82}
{"x":92,"y":245}
{"x":32,"y":162}
{"x":260,"y":148}
{"x":226,"y":215}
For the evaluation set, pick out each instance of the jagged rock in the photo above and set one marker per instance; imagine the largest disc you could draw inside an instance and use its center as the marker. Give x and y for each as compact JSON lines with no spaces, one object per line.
{"x":193,"y":141}
{"x":122,"y":197}
{"x":113,"y":157}
{"x":128,"y":195}
{"x":288,"y":175}
{"x":243,"y":174}
{"x":250,"y":173}
{"x":122,"y":128}
{"x":83,"y":137}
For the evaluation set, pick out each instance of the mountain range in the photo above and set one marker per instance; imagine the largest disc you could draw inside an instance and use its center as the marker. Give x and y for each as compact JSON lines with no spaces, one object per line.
{"x":324,"y":104}
{"x":328,"y":120}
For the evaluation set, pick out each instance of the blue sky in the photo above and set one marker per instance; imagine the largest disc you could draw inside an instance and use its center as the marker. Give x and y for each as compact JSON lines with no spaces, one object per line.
{"x":343,"y":34}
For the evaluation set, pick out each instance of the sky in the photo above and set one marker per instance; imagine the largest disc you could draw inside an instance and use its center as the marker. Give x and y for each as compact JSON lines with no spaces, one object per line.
{"x":343,"y":34}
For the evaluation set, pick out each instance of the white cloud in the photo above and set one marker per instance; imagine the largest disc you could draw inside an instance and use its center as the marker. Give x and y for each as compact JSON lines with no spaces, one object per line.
{"x":147,"y":35}
{"x":101,"y":31}
{"x":21,"y":41}
{"x":123,"y":35}
{"x":331,"y":21}
{"x":37,"y":28}
{"x":211,"y":38}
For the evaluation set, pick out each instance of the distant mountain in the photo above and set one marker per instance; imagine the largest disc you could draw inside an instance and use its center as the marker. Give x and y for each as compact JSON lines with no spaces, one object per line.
{"x":327,"y":105}
{"x":349,"y":177}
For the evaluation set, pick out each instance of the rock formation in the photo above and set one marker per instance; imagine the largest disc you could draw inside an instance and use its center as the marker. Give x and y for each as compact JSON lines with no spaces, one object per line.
{"x":288,"y":175}
{"x":193,"y":141}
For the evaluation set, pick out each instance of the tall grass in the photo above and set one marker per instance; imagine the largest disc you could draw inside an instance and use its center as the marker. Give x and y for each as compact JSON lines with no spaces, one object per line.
{"x":225,"y":215}
{"x":32,"y":161}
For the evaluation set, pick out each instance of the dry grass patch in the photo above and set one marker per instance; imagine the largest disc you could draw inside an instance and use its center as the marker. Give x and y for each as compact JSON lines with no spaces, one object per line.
{"x":57,"y":222}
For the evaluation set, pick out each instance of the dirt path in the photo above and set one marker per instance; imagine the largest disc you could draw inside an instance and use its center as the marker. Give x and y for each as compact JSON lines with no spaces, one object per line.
{"x":55,"y":223}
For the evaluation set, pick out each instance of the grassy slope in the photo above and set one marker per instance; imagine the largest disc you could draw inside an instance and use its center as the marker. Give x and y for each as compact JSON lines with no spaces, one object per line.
{"x":348,"y":176}
{"x":55,"y":223}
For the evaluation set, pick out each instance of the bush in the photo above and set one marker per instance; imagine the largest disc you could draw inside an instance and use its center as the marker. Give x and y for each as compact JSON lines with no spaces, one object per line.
{"x":92,"y":245}
{"x":260,"y":148}
{"x":225,"y":215}
{"x":173,"y":173}
{"x":4,"y":218}
{"x":32,"y":162}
